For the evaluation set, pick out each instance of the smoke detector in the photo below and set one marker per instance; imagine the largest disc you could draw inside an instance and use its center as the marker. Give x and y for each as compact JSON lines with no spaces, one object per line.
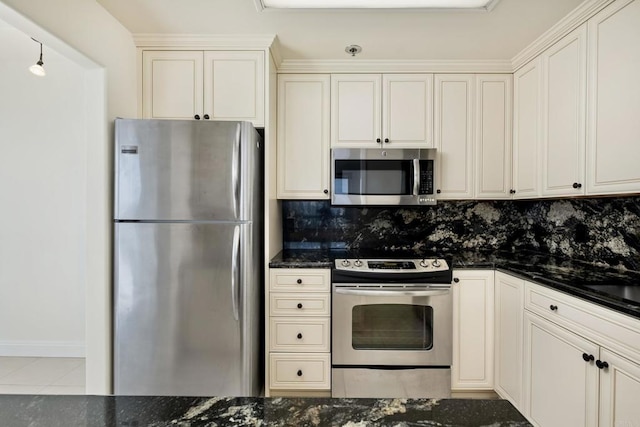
{"x":353,"y":49}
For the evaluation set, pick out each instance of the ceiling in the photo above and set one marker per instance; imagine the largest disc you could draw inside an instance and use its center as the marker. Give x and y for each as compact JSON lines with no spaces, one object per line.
{"x":18,"y":46}
{"x":383,"y":34}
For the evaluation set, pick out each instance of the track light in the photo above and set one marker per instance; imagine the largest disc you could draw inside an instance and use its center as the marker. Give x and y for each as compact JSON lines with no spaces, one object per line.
{"x":37,"y":68}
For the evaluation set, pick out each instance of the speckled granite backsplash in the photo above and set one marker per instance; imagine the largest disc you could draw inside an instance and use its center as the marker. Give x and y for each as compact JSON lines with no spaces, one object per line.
{"x":603,"y":230}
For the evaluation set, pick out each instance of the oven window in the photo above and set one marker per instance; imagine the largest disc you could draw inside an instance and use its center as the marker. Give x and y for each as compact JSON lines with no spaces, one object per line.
{"x":373,"y":177}
{"x":392,"y":327}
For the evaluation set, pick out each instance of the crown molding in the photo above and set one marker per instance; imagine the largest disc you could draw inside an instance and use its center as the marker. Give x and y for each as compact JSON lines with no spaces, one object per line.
{"x":393,"y":66}
{"x":570,"y":22}
{"x":260,"y":7}
{"x":205,"y":41}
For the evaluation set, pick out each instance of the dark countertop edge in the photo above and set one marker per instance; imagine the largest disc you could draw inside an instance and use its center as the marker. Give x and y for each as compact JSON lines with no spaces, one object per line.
{"x":578,"y":292}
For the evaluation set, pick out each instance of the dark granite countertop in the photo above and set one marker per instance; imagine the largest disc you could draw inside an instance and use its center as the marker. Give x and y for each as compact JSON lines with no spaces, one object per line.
{"x":121,"y":411}
{"x":617,"y":289}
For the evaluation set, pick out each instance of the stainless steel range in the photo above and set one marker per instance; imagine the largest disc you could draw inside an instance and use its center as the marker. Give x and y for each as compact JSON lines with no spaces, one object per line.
{"x":391,"y":328}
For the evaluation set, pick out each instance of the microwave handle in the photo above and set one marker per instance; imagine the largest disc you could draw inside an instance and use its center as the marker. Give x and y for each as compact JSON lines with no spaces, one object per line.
{"x":416,"y":176}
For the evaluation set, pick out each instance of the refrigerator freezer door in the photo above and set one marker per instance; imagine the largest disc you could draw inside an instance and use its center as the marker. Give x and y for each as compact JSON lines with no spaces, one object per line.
{"x":185,"y":170}
{"x":184,"y":311}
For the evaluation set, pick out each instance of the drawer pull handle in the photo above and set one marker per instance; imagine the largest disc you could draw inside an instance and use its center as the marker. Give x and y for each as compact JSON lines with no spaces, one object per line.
{"x":553,"y":307}
{"x":602,"y":365}
{"x":299,"y":281}
{"x":588,"y":357}
{"x":299,"y":373}
{"x":299,"y":305}
{"x":299,"y":336}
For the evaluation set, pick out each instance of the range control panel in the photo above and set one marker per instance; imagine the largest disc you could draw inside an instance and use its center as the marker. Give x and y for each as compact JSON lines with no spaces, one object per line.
{"x":392,"y":265}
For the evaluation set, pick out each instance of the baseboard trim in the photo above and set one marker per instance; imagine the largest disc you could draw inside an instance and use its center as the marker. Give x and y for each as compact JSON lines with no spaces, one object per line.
{"x":42,"y":349}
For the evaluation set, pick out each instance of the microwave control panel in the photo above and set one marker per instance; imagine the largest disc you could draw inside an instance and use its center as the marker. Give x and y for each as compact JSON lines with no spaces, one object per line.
{"x":426,"y":177}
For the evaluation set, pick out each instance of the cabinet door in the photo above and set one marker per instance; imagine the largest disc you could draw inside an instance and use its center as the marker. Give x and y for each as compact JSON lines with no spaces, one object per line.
{"x":563,"y":115}
{"x":453,"y":131}
{"x":171,"y":84}
{"x":473,"y":303}
{"x":526,"y":130}
{"x":613,"y":131}
{"x":509,"y":314}
{"x":407,"y":110}
{"x":234,"y":86}
{"x":619,"y":391}
{"x":560,"y":387}
{"x":493,"y":136}
{"x":303,"y":136}
{"x":356,"y":110}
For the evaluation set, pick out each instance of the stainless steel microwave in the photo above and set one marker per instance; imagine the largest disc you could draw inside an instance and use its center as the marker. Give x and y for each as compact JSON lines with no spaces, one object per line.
{"x":382,"y":177}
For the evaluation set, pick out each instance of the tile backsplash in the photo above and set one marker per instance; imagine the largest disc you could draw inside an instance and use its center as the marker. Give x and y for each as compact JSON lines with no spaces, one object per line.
{"x":599,"y":230}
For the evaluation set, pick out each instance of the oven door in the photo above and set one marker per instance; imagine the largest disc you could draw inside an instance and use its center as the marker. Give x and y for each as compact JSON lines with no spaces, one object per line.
{"x":394,"y":326}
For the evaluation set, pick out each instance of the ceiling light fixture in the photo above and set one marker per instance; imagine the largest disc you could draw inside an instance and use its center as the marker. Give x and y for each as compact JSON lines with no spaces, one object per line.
{"x":479,"y":5}
{"x":37,"y":68}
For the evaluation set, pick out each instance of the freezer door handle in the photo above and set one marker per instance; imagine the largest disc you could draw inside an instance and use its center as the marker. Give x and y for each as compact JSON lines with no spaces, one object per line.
{"x":235,"y":271}
{"x":235,"y":171}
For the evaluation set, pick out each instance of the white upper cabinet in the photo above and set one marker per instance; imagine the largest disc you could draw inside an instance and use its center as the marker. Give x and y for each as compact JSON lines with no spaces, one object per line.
{"x":493,"y":136}
{"x":407,"y":110}
{"x":172,"y":85}
{"x":208,"y":85}
{"x":613,"y":131}
{"x":453,"y":134}
{"x":526,"y":130}
{"x":374,"y":110}
{"x":563,"y":115}
{"x":303,"y":136}
{"x":234,"y":86}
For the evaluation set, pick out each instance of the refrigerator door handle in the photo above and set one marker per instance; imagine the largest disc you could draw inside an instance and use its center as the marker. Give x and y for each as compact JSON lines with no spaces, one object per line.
{"x":235,"y":171}
{"x":235,"y":271}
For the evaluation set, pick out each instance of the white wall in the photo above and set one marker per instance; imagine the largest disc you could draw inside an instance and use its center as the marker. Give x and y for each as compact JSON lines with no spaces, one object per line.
{"x":84,"y":32}
{"x":43,"y":220}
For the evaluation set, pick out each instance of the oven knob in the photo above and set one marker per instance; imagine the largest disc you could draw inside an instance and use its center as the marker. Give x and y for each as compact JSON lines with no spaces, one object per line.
{"x":424,"y":263}
{"x":345,"y":262}
{"x":357,"y":263}
{"x":436,"y":263}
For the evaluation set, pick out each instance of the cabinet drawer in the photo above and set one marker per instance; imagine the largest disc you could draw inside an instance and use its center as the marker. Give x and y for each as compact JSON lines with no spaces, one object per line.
{"x":300,"y":334}
{"x":604,"y":326}
{"x":285,"y":304}
{"x":299,"y":371}
{"x":300,"y":280}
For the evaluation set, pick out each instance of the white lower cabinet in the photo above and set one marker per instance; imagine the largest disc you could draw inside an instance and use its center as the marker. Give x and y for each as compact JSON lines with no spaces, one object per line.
{"x":509,"y":308}
{"x":580,"y":362}
{"x":298,"y":331}
{"x":473,"y":315}
{"x":560,"y":386}
{"x":619,"y":391}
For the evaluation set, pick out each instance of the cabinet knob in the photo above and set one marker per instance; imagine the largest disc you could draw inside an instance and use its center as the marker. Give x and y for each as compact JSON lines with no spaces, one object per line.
{"x":299,"y":281}
{"x":325,"y":191}
{"x":553,"y":307}
{"x":197,"y":117}
{"x":512,"y":191}
{"x":587,"y":357}
{"x":299,"y":373}
{"x":577,"y":185}
{"x":386,"y":140}
{"x":206,"y":117}
{"x":299,"y":336}
{"x":299,"y":305}
{"x":602,"y":365}
{"x":438,"y":191}
{"x":378,"y":140}
{"x":455,"y":279}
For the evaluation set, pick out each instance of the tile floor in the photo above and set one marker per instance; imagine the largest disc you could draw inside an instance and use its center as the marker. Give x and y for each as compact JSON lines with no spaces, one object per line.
{"x":42,"y":375}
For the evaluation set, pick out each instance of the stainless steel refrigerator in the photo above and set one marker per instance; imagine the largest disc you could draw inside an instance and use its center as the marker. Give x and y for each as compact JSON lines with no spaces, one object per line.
{"x":187,"y":258}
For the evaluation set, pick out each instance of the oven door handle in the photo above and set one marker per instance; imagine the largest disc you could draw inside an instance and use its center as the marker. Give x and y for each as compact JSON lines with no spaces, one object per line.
{"x":394,"y":292}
